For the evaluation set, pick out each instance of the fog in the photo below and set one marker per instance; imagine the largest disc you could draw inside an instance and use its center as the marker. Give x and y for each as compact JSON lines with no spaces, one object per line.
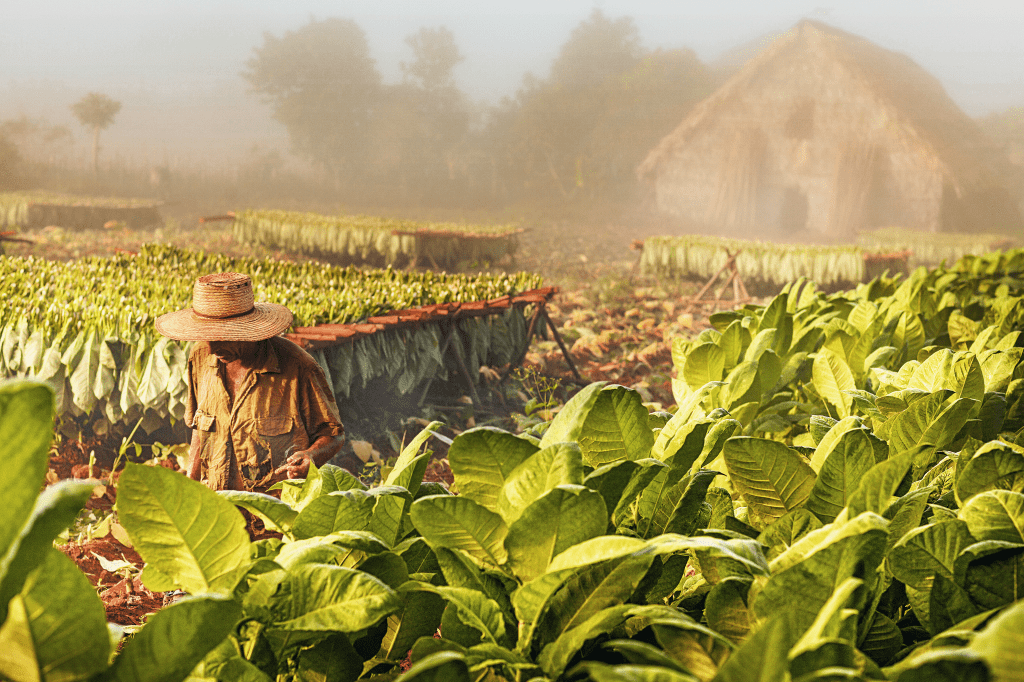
{"x":175,"y":66}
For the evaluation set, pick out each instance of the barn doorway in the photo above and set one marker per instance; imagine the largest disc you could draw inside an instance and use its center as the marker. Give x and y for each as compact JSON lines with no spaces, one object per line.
{"x":793,"y":211}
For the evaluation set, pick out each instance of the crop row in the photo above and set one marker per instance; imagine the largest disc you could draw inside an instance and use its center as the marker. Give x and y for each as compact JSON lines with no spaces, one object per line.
{"x":38,"y":209}
{"x":773,"y":264}
{"x":86,"y":327}
{"x":375,"y":240}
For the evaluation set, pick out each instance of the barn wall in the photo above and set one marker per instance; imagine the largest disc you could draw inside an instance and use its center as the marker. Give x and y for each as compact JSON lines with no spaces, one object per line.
{"x":833,"y":154}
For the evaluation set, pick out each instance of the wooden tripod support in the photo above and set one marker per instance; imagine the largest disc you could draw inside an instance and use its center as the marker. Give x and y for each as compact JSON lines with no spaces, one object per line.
{"x":739,"y":290}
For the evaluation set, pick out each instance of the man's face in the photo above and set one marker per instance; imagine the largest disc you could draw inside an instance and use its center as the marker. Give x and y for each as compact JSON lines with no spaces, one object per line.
{"x":227,"y":351}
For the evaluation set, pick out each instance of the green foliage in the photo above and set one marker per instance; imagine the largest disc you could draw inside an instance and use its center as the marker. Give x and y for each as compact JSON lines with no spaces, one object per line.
{"x":748,"y":537}
{"x":52,"y":623}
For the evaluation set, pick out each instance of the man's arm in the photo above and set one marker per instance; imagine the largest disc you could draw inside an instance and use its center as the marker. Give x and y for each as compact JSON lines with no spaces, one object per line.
{"x":321,"y":451}
{"x":194,"y":460}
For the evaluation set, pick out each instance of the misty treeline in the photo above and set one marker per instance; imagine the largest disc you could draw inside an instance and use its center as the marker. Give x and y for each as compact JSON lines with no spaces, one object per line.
{"x":577,"y":133}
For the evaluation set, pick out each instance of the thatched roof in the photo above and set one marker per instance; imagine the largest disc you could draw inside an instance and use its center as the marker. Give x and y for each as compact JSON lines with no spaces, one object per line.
{"x":912,"y":98}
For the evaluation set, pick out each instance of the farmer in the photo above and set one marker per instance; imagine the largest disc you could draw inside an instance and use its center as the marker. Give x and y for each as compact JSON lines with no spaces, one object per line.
{"x":259,"y":407}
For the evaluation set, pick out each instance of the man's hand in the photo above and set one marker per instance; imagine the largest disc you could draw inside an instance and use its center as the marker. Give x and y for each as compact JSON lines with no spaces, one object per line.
{"x":321,"y":451}
{"x":296,"y":466}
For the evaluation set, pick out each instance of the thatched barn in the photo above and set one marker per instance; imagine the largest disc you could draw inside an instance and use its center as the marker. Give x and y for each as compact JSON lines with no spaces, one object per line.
{"x":826,"y":133}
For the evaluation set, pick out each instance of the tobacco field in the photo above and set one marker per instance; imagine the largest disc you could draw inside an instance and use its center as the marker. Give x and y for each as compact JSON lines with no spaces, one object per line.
{"x":88,"y":331}
{"x":830,"y":488}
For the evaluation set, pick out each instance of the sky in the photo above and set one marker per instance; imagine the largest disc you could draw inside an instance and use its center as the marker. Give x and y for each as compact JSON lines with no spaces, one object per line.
{"x":175,"y":64}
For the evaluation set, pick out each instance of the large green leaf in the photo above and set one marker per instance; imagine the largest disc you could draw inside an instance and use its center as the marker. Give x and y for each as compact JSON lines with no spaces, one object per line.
{"x":482,"y":459}
{"x":175,"y":639}
{"x":930,"y":421}
{"x":338,"y":510}
{"x":83,"y":373}
{"x":783,"y":533}
{"x":334,"y":547}
{"x":929,"y":551}
{"x":419,"y":617}
{"x":840,"y":474}
{"x":879,"y":484}
{"x":705,"y":362}
{"x":832,"y":377}
{"x":1001,"y":644}
{"x":389,"y":520}
{"x":190,"y":535}
{"x":411,"y":463}
{"x":56,"y":508}
{"x":647,"y":471}
{"x":995,"y":515}
{"x":56,"y":628}
{"x":805,"y":576}
{"x":764,"y":656}
{"x":827,"y":433}
{"x":994,"y":579}
{"x":461,"y":570}
{"x":770,"y":477}
{"x":611,"y":481}
{"x":556,"y":655}
{"x":696,"y":647}
{"x":589,"y":591}
{"x":460,"y":523}
{"x":995,"y":465}
{"x":557,"y":520}
{"x":610,"y":424}
{"x":276,"y":515}
{"x":553,"y":465}
{"x":596,"y":550}
{"x":679,"y":509}
{"x":26,"y":427}
{"x":726,"y":610}
{"x":475,"y":609}
{"x":320,"y":598}
{"x":681,"y":438}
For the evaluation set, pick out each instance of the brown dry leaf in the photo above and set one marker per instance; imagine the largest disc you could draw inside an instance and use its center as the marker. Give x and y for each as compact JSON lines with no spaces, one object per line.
{"x":365,"y":451}
{"x":120,"y":534}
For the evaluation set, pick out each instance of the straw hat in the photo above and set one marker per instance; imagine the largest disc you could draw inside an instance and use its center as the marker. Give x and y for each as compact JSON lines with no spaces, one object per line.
{"x":223,"y":309}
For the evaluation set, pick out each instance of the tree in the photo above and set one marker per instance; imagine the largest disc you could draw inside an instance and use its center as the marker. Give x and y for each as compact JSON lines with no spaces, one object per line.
{"x":96,"y":111}
{"x":436,"y":55}
{"x":557,"y":115}
{"x":598,"y":48}
{"x":439,"y":107}
{"x":583,"y":130}
{"x":324,"y":87}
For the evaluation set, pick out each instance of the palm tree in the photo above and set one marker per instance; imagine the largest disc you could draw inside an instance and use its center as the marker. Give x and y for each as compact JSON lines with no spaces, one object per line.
{"x":95,"y":111}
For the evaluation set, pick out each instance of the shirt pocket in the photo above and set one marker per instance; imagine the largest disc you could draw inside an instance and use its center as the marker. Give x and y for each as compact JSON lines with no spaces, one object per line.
{"x":205,"y":422}
{"x":271,"y":438}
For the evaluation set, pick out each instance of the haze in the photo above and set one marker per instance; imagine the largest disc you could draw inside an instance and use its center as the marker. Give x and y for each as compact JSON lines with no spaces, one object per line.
{"x":175,"y":65}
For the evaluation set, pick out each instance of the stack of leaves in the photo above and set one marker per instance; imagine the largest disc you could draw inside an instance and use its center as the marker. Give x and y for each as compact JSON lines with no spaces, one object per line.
{"x":699,"y":257}
{"x":933,"y":248}
{"x":16,"y":207}
{"x":86,"y":327}
{"x":375,"y":240}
